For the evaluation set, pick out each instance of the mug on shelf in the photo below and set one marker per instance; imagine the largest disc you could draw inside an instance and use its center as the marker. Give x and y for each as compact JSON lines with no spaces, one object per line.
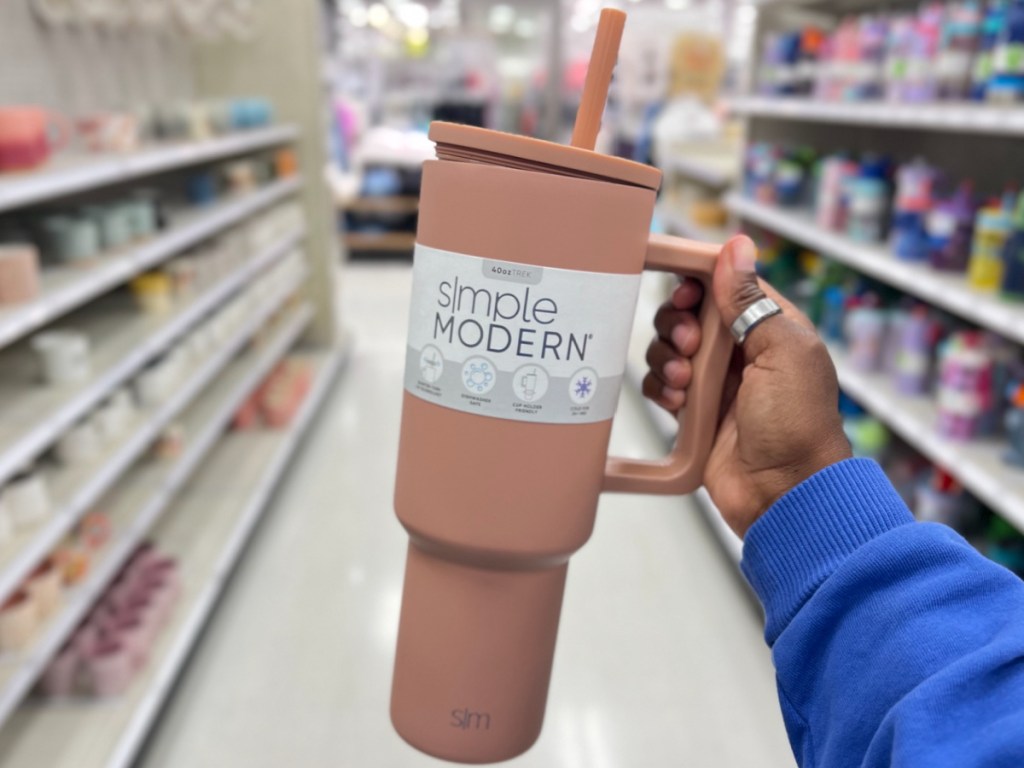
{"x":109,"y":668}
{"x":79,"y":445}
{"x":18,"y":621}
{"x":45,"y":587}
{"x":109,"y":131}
{"x":142,"y":214}
{"x":69,"y":238}
{"x":63,"y":356}
{"x":27,"y":500}
{"x":286,"y":162}
{"x":115,"y":224}
{"x":28,"y":135}
{"x":19,"y":273}
{"x":152,"y":292}
{"x":201,"y":188}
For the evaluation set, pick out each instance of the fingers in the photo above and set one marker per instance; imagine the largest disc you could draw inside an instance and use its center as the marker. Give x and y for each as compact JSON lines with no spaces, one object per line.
{"x":669,"y":399}
{"x":736,"y":287}
{"x":687,"y":294}
{"x":679,"y":328}
{"x":666,"y":364}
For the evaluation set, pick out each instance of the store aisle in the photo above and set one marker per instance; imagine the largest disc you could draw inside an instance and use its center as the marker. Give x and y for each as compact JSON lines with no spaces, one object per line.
{"x":660,"y":660}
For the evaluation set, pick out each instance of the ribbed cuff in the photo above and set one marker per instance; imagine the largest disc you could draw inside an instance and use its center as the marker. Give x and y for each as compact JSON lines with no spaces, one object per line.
{"x":805,"y":535}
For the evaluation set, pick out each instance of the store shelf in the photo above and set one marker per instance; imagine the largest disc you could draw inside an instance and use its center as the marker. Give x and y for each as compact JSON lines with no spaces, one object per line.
{"x":34,"y":417}
{"x":939,"y":117}
{"x":948,"y":291}
{"x":206,"y":528}
{"x":143,"y":496}
{"x":678,"y":223}
{"x":710,"y":170}
{"x":977,"y":464}
{"x":66,"y":176}
{"x":384,"y":204}
{"x":74,"y":492}
{"x":65,"y":288}
{"x":380,"y":241}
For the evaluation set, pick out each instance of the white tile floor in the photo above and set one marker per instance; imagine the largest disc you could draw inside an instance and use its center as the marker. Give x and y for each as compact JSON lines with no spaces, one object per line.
{"x":660,"y":660}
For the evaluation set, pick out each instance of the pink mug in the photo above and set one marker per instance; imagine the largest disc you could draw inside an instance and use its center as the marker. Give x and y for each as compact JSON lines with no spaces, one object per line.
{"x":28,"y":135}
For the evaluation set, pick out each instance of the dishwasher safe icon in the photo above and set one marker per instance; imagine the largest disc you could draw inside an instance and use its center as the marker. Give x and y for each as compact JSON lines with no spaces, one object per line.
{"x":478,"y":375}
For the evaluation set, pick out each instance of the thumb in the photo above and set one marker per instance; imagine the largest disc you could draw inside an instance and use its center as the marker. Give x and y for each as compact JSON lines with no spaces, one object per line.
{"x":735,"y":287}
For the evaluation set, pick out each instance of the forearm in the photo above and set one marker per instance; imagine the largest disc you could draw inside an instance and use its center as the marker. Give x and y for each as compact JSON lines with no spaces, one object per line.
{"x":895,"y":643}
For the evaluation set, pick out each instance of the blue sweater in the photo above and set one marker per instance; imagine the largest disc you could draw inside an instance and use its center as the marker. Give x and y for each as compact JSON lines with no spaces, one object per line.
{"x":895,"y":642}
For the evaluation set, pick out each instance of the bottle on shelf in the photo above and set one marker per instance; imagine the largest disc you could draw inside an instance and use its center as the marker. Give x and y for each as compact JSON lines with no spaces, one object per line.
{"x":949,"y":227}
{"x":913,"y":200}
{"x":1007,"y":82}
{"x":1012,"y":283}
{"x":981,"y":70}
{"x":992,"y":228}
{"x":956,"y":49}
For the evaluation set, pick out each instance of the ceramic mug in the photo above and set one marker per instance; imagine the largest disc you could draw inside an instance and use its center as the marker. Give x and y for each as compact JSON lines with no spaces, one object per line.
{"x":17,"y":621}
{"x":68,"y":238}
{"x":63,"y":356}
{"x":109,"y":131}
{"x":45,"y":587}
{"x":110,"y":668}
{"x":201,"y":188}
{"x":28,"y":135}
{"x":152,"y":292}
{"x":115,"y":223}
{"x":19,"y":273}
{"x":79,"y":445}
{"x":142,"y":213}
{"x":61,"y":673}
{"x":28,"y":502}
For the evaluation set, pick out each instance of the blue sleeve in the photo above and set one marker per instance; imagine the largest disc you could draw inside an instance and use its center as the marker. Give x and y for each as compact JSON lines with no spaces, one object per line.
{"x":895,"y":643}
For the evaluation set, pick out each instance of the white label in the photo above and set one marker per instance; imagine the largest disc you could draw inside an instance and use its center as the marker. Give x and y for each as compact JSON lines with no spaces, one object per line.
{"x":517,"y":341}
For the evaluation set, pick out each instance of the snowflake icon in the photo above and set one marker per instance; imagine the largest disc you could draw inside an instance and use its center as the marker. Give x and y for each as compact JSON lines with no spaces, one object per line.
{"x":582,"y":386}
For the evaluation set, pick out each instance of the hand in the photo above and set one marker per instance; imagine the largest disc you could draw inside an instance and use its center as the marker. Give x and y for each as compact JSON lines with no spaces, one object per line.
{"x":779,"y":421}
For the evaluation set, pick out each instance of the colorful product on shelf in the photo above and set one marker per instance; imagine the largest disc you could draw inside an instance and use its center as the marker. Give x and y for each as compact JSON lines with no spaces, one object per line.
{"x":916,"y":334}
{"x":992,"y":228}
{"x":964,"y":392}
{"x":981,"y":70}
{"x":949,"y":226}
{"x":1012,"y":283}
{"x":835,"y":172}
{"x":865,"y":334}
{"x":115,"y":641}
{"x":19,"y":273}
{"x":1014,"y":421}
{"x":913,"y":199}
{"x":957,"y":48}
{"x":899,"y":42}
{"x":28,"y":136}
{"x":866,"y":202}
{"x":941,"y":499}
{"x":1005,"y":545}
{"x":1007,"y":82}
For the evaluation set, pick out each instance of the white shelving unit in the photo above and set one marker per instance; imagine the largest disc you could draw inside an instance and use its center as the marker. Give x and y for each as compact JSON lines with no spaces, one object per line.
{"x":678,"y":223}
{"x":66,"y":288}
{"x":206,"y":527}
{"x":711,"y":170}
{"x":947,"y":291}
{"x":977,"y":464}
{"x":156,"y":484}
{"x":135,"y":492}
{"x":37,"y":416}
{"x":78,"y":174}
{"x":945,"y":117}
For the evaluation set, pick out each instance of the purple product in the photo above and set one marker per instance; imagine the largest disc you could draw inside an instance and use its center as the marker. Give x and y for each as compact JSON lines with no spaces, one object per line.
{"x":921,"y":84}
{"x":865,"y":333}
{"x":950,"y":228}
{"x":917,"y":335}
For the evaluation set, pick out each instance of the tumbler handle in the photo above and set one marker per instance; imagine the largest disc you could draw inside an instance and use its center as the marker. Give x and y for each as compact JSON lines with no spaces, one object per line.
{"x":682,"y":471}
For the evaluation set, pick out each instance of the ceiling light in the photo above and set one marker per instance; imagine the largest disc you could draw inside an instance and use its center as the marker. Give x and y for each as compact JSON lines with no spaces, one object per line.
{"x":378,"y":15}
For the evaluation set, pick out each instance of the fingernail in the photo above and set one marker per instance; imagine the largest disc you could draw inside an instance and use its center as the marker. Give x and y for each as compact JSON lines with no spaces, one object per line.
{"x":677,"y":294}
{"x":744,"y":255}
{"x":673,"y":370}
{"x":680,"y":335}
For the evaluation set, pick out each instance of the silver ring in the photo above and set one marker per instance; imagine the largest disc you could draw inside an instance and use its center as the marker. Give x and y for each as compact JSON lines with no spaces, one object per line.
{"x":753,"y":316}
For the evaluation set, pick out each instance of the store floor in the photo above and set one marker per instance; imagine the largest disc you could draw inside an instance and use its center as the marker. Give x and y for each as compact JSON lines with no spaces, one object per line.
{"x":660,"y":660}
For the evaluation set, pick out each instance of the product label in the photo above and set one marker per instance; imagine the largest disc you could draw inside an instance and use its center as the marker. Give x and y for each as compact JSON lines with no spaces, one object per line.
{"x":1009,"y":58}
{"x":517,"y":341}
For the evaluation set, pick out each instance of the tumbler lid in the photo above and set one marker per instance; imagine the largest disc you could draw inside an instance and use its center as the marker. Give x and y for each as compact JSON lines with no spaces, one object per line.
{"x":466,"y":142}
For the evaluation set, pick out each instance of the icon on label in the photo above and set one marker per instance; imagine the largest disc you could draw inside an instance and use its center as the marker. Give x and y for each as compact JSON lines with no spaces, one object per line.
{"x":582,"y":386}
{"x":478,"y":375}
{"x":431,"y":364}
{"x":530,"y":383}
